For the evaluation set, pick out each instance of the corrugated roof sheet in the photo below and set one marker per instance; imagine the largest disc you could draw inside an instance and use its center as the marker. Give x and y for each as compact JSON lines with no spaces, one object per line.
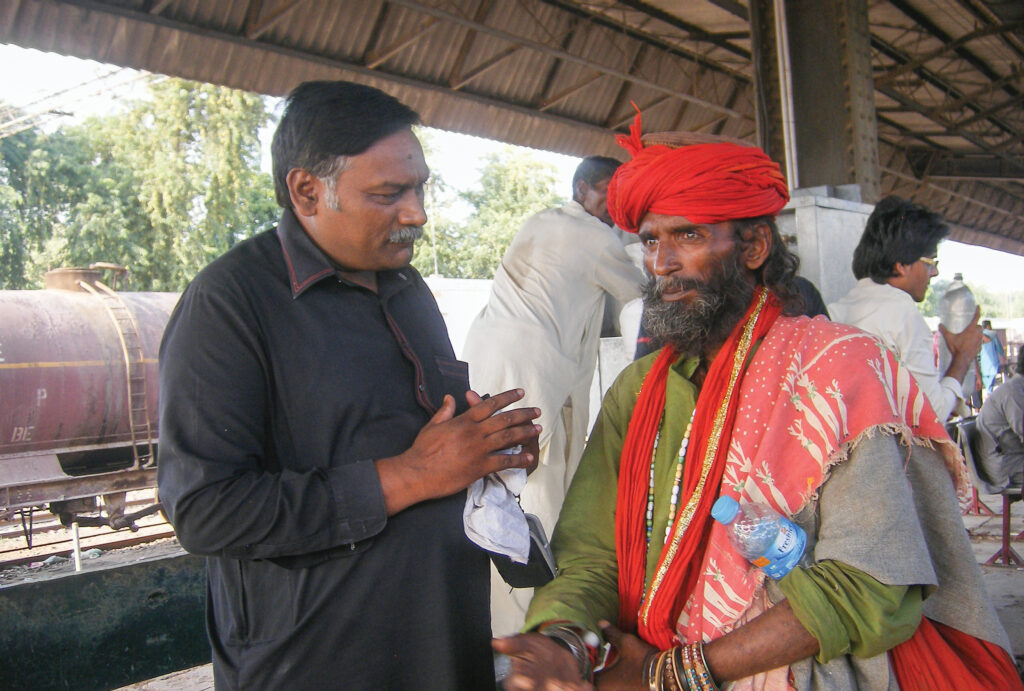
{"x":562,"y":74}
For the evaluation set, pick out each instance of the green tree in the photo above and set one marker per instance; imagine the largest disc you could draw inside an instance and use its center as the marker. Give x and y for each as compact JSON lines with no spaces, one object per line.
{"x":994,"y":305}
{"x":18,"y":235}
{"x":513,"y":185}
{"x":991,"y":304}
{"x":12,"y":245}
{"x":163,"y":187}
{"x":930,"y":305}
{"x":435,"y":253}
{"x":79,"y":202}
{"x":195,"y":149}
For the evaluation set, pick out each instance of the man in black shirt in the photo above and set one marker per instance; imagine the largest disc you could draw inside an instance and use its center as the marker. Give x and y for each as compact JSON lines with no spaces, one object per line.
{"x":317,"y":432}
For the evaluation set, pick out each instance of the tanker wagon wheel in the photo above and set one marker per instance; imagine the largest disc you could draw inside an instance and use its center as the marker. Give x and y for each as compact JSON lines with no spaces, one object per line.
{"x":116,"y":517}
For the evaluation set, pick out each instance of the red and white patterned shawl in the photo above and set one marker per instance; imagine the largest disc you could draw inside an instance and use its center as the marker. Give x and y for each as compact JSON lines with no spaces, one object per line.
{"x":812,"y":390}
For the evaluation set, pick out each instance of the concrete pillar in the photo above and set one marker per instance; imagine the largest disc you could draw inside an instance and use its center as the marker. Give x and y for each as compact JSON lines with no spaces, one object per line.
{"x":813,"y":65}
{"x":823,"y":226}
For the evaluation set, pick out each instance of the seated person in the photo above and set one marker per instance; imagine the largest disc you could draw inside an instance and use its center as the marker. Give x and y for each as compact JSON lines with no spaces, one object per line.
{"x":1001,"y":430}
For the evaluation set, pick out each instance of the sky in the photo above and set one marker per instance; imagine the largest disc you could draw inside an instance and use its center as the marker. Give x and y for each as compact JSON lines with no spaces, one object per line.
{"x":82,"y":89}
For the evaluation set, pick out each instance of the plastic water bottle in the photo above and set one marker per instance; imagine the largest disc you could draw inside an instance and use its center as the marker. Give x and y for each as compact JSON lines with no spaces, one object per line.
{"x":765,"y":538}
{"x":956,"y":312}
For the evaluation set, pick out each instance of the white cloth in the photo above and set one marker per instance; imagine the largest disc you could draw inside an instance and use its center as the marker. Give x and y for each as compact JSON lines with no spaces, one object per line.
{"x":632,"y":312}
{"x":493,"y":518}
{"x":540,"y":332}
{"x":892,"y":315}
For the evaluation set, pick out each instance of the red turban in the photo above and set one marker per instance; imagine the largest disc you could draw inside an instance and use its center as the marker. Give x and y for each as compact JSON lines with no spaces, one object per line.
{"x":705,"y":183}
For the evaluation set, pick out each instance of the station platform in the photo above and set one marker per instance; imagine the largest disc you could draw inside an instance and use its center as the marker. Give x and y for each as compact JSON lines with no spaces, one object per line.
{"x":195,"y":679}
{"x":1005,"y":585}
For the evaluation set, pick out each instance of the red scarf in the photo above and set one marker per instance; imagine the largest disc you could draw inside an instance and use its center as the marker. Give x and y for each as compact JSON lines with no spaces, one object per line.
{"x":679,"y":563}
{"x":941,"y":658}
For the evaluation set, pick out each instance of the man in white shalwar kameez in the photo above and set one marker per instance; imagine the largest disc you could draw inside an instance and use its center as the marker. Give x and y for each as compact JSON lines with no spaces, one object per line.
{"x":540,"y":332}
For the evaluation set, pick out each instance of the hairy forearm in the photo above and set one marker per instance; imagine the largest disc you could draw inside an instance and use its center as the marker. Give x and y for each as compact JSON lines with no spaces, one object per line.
{"x":774,"y":639}
{"x":401,"y":485}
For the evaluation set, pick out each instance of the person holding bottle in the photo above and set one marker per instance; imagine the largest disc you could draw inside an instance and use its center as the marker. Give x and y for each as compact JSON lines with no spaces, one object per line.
{"x":894,"y":262}
{"x":816,"y":419}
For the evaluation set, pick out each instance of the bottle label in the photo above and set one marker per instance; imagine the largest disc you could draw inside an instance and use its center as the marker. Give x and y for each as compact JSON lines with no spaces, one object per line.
{"x":784,"y":554}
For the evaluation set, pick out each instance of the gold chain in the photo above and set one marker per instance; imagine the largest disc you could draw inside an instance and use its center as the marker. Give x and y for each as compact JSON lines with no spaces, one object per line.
{"x":683,"y":522}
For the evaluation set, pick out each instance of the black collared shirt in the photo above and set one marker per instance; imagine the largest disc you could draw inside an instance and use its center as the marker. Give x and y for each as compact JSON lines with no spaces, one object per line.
{"x":280,"y":383}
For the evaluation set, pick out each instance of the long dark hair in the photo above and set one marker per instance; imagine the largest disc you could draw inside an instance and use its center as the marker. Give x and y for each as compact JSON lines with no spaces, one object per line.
{"x":778,"y":272}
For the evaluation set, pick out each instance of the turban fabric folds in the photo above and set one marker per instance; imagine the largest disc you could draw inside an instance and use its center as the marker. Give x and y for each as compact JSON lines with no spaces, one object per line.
{"x":705,"y":183}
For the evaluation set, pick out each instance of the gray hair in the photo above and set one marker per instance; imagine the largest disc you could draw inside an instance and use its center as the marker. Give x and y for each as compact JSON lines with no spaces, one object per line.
{"x":327,"y":172}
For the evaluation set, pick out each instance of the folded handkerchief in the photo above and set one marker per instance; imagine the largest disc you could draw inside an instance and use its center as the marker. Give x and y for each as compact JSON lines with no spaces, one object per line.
{"x":493,"y":518}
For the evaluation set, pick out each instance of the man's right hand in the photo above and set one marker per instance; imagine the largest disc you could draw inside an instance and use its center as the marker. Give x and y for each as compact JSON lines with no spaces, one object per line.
{"x":539,"y":664}
{"x":963,"y":347}
{"x":451,"y":452}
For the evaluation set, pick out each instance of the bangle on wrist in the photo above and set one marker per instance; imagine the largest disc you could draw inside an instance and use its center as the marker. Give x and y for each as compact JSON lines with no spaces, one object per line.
{"x":648,"y":671}
{"x":572,"y":640}
{"x":695,"y":670}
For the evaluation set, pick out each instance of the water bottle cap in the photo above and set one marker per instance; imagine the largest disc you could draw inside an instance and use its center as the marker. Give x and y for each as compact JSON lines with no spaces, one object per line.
{"x":725,"y":509}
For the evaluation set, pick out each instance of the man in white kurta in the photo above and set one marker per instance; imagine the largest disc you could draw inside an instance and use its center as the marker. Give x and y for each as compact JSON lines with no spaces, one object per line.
{"x":894,"y":262}
{"x":892,"y":315}
{"x":540,"y":332}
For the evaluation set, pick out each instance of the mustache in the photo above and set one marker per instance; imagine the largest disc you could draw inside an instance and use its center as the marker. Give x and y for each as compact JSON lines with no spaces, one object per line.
{"x":718,"y":302}
{"x":405,"y":234}
{"x":657,"y":286}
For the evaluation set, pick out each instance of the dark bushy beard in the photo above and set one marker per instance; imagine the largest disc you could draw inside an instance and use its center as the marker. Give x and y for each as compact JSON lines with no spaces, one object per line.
{"x":691,"y":325}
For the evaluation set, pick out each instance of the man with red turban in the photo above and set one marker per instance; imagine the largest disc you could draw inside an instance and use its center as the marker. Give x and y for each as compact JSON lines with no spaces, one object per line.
{"x":814,"y":419}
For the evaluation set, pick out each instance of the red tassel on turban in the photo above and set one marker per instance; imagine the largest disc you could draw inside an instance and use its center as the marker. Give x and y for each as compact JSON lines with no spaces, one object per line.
{"x":705,"y":183}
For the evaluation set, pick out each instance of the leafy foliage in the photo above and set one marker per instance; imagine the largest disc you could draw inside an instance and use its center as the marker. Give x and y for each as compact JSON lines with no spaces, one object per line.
{"x":174,"y":181}
{"x":929,"y":307}
{"x":162,"y":188}
{"x":513,"y":186}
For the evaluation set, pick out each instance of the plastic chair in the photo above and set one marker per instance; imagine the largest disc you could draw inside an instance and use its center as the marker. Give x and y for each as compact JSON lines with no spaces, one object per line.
{"x":968,"y":439}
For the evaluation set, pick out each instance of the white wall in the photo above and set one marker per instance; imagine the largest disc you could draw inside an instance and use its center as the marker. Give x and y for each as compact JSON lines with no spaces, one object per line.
{"x":460,"y":300}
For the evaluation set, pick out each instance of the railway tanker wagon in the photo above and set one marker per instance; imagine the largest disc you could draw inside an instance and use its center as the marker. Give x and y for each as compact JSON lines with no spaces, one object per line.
{"x":78,"y":397}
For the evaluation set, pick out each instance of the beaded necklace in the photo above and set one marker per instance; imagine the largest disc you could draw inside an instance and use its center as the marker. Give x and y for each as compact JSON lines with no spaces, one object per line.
{"x":676,"y":483}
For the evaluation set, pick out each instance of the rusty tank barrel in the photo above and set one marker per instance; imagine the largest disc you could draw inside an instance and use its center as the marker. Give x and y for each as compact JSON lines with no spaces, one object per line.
{"x":78,"y":376}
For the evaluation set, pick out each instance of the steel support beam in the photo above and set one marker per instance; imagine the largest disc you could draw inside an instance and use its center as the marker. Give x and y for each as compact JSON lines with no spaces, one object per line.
{"x":771,"y":103}
{"x":932,"y":164}
{"x":834,"y":126}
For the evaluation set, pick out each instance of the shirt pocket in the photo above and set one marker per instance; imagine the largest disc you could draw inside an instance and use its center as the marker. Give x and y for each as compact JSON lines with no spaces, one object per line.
{"x":454,"y":380}
{"x":251,"y":601}
{"x":267,"y":601}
